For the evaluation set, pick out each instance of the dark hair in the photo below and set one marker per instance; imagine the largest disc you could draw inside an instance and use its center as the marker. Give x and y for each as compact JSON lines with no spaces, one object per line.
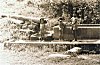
{"x":42,"y":21}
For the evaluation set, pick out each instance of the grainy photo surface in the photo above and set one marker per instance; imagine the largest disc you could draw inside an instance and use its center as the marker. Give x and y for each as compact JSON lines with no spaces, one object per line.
{"x":49,"y":32}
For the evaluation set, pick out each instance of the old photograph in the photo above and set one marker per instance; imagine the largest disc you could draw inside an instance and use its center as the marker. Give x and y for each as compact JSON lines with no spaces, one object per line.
{"x":49,"y":32}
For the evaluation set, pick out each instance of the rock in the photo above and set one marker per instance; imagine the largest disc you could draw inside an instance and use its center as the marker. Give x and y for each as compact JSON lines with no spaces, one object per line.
{"x":16,"y":21}
{"x":74,"y":51}
{"x":34,"y":37}
{"x":30,"y":27}
{"x":24,"y":27}
{"x":59,"y":56}
{"x":49,"y":37}
{"x":83,"y":57}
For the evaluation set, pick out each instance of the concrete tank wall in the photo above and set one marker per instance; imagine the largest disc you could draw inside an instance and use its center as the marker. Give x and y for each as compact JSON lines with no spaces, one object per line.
{"x":85,"y":31}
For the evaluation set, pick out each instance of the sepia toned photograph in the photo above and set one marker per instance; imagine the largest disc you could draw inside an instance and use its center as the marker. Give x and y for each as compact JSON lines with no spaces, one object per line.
{"x":49,"y":32}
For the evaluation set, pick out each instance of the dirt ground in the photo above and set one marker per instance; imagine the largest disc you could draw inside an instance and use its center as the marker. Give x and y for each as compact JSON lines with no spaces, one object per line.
{"x":41,"y":57}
